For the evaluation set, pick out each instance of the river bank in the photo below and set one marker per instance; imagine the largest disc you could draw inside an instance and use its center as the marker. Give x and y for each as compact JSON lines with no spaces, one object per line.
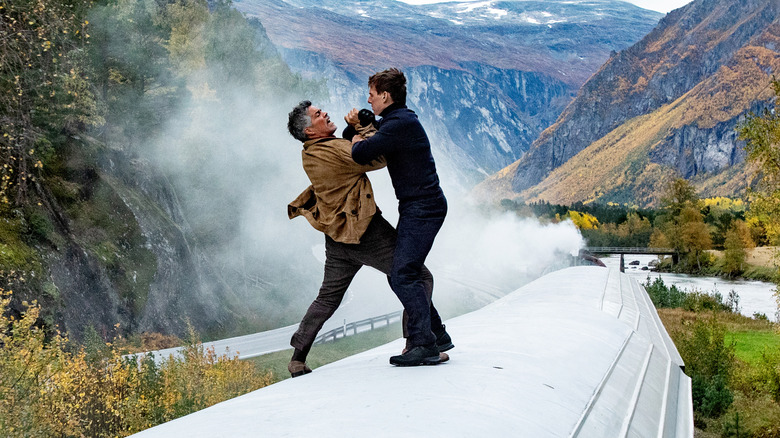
{"x":755,"y":296}
{"x":761,"y":263}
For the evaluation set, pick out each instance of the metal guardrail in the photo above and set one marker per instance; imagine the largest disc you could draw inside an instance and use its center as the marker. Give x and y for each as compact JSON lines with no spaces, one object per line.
{"x":629,"y":250}
{"x":355,"y":327}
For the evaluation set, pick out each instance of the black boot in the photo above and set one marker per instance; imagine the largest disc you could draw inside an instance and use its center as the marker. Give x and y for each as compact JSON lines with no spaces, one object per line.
{"x":419,"y":355}
{"x":443,"y":340}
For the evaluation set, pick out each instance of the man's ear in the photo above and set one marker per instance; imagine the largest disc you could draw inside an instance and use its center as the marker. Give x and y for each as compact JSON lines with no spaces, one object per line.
{"x":307,"y":130}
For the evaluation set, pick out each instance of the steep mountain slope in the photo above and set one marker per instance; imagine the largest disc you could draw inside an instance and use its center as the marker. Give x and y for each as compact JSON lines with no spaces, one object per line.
{"x":688,"y":81}
{"x":164,"y":212}
{"x":486,"y":77}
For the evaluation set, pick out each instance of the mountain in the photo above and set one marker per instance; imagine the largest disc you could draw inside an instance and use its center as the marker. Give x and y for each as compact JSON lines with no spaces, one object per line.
{"x":486,"y":78}
{"x":149,"y":196}
{"x":666,"y":107}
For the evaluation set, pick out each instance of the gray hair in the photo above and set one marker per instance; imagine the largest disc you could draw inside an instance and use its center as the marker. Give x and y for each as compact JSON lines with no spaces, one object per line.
{"x":298,"y":120}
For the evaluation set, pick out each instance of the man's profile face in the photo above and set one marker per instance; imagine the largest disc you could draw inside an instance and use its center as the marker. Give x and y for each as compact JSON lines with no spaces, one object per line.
{"x":378,"y":101}
{"x":321,"y":126}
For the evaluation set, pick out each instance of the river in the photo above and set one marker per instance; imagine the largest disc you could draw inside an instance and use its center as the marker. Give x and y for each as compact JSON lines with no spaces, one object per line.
{"x":754,"y":296}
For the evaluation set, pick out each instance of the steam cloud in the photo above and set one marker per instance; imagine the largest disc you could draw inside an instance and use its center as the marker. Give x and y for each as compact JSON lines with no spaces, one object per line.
{"x":236,"y":168}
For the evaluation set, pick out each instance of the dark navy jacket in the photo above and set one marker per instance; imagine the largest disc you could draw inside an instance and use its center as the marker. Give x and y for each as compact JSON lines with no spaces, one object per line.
{"x":401,"y":139}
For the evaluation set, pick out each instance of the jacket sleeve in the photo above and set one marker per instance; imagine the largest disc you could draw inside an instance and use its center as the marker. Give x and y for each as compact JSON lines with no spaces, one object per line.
{"x":383,"y":142}
{"x":349,"y":164}
{"x":365,"y":131}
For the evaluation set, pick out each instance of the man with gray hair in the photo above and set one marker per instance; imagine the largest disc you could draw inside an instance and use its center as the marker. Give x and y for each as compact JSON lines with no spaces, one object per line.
{"x":340,"y":203}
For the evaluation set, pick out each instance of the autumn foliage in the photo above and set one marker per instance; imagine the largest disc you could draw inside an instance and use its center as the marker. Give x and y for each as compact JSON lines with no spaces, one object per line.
{"x":47,"y":389}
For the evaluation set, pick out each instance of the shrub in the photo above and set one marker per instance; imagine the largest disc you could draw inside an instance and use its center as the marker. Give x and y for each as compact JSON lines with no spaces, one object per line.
{"x":159,"y":341}
{"x":663,"y":296}
{"x":671,"y":297}
{"x":709,"y":361}
{"x":769,"y":373}
{"x":711,"y":396}
{"x":39,"y":227}
{"x":760,"y":316}
{"x":732,"y":302}
{"x":731,"y":427}
{"x":45,"y":390}
{"x":698,"y":301}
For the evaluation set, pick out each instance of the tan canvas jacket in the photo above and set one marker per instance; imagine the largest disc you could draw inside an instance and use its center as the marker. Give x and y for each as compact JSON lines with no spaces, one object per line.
{"x":340,"y":201}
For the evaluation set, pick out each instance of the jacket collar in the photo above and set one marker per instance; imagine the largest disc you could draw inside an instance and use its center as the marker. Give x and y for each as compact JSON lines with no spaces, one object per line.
{"x":392,"y":107}
{"x":314,"y":141}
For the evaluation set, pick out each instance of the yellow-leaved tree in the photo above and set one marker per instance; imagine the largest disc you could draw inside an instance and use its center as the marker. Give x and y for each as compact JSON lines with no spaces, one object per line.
{"x":583,"y":221}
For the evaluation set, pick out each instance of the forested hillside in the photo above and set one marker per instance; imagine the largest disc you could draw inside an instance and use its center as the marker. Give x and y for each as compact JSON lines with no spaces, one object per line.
{"x":116,"y":117}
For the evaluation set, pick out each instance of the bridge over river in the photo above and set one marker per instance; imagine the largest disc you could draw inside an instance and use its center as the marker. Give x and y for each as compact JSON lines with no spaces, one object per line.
{"x":622,"y":250}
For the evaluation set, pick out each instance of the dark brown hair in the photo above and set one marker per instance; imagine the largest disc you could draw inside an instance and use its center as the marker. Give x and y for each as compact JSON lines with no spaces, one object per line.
{"x":391,"y":80}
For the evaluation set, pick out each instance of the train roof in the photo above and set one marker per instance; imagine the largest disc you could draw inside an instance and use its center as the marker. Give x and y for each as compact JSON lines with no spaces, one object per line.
{"x":579,"y":352}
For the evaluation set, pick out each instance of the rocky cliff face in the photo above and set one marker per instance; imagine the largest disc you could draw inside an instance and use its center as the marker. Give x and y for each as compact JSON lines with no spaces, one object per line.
{"x":693,"y":151}
{"x":175,"y":218}
{"x":478,"y":121}
{"x":123,"y":256}
{"x":688,"y":47}
{"x":485,"y":119}
{"x":484,"y":78}
{"x":184,"y":288}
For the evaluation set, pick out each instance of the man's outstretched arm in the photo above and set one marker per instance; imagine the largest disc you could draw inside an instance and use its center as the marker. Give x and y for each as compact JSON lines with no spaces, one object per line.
{"x":383,"y":142}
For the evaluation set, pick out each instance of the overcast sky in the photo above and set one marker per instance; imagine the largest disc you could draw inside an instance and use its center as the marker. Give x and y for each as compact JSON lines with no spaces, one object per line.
{"x":654,"y":5}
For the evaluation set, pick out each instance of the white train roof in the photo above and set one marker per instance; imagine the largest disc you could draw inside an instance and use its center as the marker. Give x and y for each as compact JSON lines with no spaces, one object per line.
{"x":577,"y":353}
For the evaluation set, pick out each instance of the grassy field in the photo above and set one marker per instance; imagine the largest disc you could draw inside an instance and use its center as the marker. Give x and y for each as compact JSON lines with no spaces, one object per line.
{"x":753,"y":408}
{"x":329,"y":352}
{"x":749,"y":345}
{"x":761,"y":263}
{"x":763,"y":256}
{"x":750,"y":335}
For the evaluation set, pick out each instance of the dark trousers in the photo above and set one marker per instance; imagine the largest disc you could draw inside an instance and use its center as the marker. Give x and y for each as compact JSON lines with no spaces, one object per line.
{"x":418,"y":223}
{"x":342,"y":262}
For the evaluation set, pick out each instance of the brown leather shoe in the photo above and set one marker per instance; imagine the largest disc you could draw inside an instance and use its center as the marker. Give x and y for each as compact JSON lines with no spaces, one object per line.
{"x":298,"y":368}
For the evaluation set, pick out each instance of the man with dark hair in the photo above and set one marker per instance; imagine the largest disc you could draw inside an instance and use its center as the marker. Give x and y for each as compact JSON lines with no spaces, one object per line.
{"x":340,"y":203}
{"x":402,"y":141}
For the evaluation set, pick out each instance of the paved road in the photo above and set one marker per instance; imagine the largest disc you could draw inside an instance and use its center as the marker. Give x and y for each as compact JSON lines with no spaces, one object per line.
{"x":245,"y":346}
